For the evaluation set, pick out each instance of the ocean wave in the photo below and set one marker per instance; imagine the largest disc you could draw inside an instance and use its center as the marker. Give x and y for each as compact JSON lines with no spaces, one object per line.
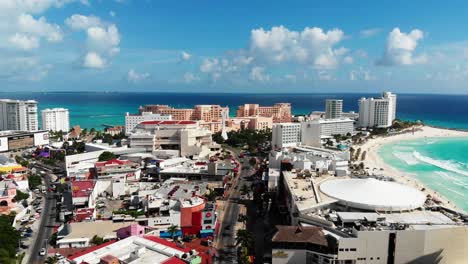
{"x":443,"y":164}
{"x":402,"y":148}
{"x":456,"y":192}
{"x":406,"y":157}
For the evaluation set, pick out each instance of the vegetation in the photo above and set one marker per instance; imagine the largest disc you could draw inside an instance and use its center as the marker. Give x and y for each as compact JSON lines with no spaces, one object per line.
{"x":21,"y":161}
{"x":52,"y":260}
{"x":133,"y":213}
{"x":358,"y":154}
{"x":244,"y":189}
{"x":34,"y":181}
{"x":21,"y":196}
{"x":363,"y":156}
{"x":402,"y":124}
{"x":173,"y":229}
{"x":9,"y":239}
{"x":106,"y":156}
{"x":97,"y":240}
{"x":250,"y":137}
{"x":210,"y":195}
{"x":75,"y":148}
{"x":245,"y":239}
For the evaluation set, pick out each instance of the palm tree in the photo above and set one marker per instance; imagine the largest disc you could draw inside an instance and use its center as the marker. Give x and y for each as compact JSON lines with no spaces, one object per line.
{"x":173,"y":229}
{"x":52,"y":260}
{"x":244,"y":238}
{"x":244,"y":189}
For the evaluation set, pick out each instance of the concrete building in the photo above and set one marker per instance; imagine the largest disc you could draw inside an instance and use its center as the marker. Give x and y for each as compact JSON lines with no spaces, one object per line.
{"x":15,"y":140}
{"x":353,"y":220}
{"x":280,"y":112}
{"x":117,"y":170}
{"x":377,"y":112}
{"x":286,"y":135}
{"x":131,"y":121}
{"x":18,"y":115}
{"x":7,"y":195}
{"x":199,"y":112}
{"x":333,"y":108}
{"x":185,"y":137}
{"x":55,"y":119}
{"x":314,"y":131}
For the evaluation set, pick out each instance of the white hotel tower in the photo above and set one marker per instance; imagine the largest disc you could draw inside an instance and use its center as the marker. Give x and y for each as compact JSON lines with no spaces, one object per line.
{"x":377,"y":112}
{"x":55,"y":119}
{"x":18,"y":115}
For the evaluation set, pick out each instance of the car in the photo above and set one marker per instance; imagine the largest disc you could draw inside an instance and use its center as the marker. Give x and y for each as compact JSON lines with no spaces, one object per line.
{"x":42,"y":252}
{"x":23,"y":246}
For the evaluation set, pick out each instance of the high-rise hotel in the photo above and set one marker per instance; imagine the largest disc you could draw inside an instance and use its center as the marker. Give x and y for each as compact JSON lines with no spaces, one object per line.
{"x":55,"y":119}
{"x":377,"y":112}
{"x":18,"y":115}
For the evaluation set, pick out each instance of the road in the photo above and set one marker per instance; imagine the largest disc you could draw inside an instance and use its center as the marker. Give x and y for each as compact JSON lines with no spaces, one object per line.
{"x":46,"y":226}
{"x":227,"y":238}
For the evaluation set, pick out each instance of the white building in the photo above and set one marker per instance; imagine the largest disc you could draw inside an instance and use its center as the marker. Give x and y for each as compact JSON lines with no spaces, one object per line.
{"x":55,"y":119}
{"x":131,"y":121}
{"x":18,"y":115}
{"x":315,"y":130}
{"x":333,"y":108}
{"x":285,"y":135}
{"x":16,"y":140}
{"x":377,"y":112}
{"x":185,"y":137}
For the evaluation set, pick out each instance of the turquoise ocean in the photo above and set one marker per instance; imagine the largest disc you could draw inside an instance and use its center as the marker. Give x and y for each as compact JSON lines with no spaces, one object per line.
{"x":438,"y":163}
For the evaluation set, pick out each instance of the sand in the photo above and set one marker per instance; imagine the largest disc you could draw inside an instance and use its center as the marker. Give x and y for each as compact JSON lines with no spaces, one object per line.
{"x":373,"y":160}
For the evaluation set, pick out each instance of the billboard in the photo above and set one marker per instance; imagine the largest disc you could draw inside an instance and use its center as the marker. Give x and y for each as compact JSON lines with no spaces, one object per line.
{"x":20,"y":141}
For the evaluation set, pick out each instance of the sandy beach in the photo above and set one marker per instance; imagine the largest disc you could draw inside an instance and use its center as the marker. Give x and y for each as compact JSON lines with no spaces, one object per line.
{"x":373,"y":160}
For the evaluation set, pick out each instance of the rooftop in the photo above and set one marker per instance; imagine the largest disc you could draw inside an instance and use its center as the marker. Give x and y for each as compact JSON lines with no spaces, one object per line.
{"x":82,"y":188}
{"x":300,"y":234}
{"x":174,"y":122}
{"x":105,"y":229}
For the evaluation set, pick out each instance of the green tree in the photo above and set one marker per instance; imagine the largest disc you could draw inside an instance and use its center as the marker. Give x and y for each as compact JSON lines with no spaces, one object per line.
{"x":106,"y":156}
{"x":9,"y":239}
{"x":97,"y":240}
{"x":244,"y":189}
{"x":93,"y":130}
{"x":244,"y":238}
{"x":52,"y":260}
{"x":21,"y":196}
{"x":34,"y":181}
{"x":173,"y":229}
{"x":108,"y":139}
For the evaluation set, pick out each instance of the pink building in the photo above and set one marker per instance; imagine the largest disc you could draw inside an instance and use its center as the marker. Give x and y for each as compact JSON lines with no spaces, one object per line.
{"x":199,"y":112}
{"x":117,"y":169}
{"x":280,"y":112}
{"x":131,"y":230}
{"x":7,"y":195}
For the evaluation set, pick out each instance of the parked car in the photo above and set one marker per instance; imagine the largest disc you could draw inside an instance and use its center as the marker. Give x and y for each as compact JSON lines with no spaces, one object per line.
{"x":42,"y":252}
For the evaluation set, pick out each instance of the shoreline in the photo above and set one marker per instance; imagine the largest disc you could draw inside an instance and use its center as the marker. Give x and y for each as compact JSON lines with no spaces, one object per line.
{"x":373,"y":160}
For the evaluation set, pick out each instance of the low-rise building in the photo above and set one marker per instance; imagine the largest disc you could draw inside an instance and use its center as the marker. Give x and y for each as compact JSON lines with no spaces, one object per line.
{"x":16,"y":140}
{"x":186,"y":137}
{"x":117,"y":169}
{"x":315,"y":131}
{"x":285,"y":135}
{"x":7,"y":196}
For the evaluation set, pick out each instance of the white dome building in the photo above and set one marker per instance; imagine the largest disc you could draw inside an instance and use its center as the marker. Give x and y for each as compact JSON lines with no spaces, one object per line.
{"x":374,"y":195}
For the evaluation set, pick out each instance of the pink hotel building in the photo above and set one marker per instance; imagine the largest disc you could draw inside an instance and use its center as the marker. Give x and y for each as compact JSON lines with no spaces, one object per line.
{"x":251,"y":116}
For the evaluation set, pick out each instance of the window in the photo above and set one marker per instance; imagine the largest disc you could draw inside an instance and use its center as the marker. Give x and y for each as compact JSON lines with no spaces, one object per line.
{"x":341,"y":249}
{"x":352,"y":249}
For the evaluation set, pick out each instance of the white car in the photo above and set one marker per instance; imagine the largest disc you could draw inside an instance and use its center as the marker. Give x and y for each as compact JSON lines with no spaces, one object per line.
{"x":42,"y":252}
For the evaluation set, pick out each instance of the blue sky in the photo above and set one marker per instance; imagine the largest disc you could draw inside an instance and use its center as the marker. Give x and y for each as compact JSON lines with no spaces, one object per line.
{"x":234,"y":46}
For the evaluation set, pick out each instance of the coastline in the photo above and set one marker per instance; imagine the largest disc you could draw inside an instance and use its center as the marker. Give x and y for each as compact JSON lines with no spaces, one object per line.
{"x":373,"y":160}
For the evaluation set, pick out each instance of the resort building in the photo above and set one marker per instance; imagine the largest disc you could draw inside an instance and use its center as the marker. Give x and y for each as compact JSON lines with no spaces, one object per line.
{"x":333,"y":108}
{"x":15,"y":140}
{"x":115,"y":130}
{"x":131,"y":121}
{"x":183,"y":137}
{"x":199,"y":112}
{"x":315,"y":131}
{"x":285,"y":135}
{"x":377,"y":112}
{"x":280,"y":112}
{"x":18,"y":115}
{"x":55,"y":119}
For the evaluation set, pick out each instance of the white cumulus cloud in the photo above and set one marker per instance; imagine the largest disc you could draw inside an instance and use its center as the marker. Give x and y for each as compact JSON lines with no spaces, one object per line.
{"x":258,"y":74}
{"x":81,"y":22}
{"x":370,"y":32}
{"x":94,"y":60}
{"x":312,"y":46}
{"x":135,"y":77}
{"x":185,"y":56}
{"x":400,"y":47}
{"x":24,"y":42}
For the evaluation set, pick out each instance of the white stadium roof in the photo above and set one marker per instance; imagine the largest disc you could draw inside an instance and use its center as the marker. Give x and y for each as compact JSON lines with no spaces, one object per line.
{"x":372,"y":194}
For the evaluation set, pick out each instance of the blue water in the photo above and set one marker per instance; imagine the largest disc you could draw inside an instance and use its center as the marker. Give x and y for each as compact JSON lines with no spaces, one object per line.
{"x":92,"y":109}
{"x":439,"y":163}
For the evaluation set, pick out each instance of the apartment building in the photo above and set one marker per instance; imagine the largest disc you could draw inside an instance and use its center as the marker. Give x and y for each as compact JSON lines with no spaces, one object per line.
{"x":286,"y":135}
{"x":18,"y":115}
{"x":377,"y":112}
{"x":333,"y":108}
{"x":55,"y":119}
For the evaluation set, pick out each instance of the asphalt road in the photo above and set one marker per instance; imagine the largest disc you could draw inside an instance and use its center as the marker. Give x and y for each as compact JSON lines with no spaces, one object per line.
{"x":46,"y":226}
{"x":227,"y":252}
